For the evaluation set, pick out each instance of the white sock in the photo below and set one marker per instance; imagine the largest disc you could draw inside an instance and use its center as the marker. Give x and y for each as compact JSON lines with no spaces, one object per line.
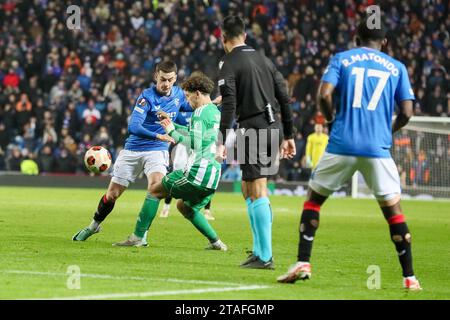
{"x":411,"y":278}
{"x":135,"y":237}
{"x":94,"y":225}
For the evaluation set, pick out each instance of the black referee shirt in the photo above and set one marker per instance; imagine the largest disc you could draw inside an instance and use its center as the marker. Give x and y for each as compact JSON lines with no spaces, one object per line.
{"x":248,"y":82}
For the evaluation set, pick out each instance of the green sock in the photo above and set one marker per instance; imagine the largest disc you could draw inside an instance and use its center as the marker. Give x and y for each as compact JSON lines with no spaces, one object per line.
{"x":202,"y":225}
{"x":146,"y":215}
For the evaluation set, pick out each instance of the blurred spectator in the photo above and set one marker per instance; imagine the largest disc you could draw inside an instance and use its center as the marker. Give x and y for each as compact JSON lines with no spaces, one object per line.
{"x":72,"y":61}
{"x":2,"y":160}
{"x":46,"y":159}
{"x":91,"y":113}
{"x":66,"y":162}
{"x":305,"y":85}
{"x":420,"y":172}
{"x":89,"y":126}
{"x":114,"y":123}
{"x":4,"y":136}
{"x":11,"y":79}
{"x":23,"y":110}
{"x":50,"y":137}
{"x":102,"y":138}
{"x":85,"y":145}
{"x":57,"y":91}
{"x":435,"y":102}
{"x":300,"y":145}
{"x":15,"y":160}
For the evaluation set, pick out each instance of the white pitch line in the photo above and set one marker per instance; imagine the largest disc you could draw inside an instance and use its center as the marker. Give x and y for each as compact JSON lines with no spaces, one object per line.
{"x":107,"y":276}
{"x":157,"y":293}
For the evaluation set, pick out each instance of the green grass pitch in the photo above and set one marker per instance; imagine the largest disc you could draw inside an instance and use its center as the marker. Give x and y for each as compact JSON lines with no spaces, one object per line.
{"x":36,"y":250}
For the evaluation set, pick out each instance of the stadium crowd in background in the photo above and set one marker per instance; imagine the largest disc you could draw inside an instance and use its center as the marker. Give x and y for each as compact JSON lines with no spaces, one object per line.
{"x":62,"y":90}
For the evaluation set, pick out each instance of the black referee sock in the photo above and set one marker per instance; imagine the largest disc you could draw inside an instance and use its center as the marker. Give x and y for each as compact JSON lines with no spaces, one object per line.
{"x":104,"y":208}
{"x":308,"y":225}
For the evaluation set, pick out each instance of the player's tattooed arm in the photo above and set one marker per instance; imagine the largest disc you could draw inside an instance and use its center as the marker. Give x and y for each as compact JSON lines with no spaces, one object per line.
{"x":325,"y":100}
{"x":402,"y":119}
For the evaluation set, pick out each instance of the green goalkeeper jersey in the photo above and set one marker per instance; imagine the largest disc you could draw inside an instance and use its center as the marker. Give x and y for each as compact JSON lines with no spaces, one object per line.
{"x":200,"y":137}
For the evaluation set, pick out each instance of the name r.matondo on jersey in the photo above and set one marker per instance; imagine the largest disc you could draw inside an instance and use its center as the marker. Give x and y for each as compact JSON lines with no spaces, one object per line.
{"x":372,"y":57}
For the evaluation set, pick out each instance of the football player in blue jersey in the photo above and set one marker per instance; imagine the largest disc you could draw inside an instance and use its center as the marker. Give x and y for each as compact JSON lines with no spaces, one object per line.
{"x":368,"y":84}
{"x":146,"y":149}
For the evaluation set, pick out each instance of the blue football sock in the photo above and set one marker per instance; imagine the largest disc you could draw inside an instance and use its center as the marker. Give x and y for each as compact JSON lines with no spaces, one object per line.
{"x":252,"y":226}
{"x":262,"y":215}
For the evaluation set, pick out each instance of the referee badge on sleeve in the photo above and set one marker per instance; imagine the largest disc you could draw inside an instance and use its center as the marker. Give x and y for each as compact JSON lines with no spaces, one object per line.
{"x":221,"y":82}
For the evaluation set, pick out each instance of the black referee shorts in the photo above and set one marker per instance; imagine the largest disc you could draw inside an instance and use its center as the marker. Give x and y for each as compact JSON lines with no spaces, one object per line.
{"x":258,"y":145}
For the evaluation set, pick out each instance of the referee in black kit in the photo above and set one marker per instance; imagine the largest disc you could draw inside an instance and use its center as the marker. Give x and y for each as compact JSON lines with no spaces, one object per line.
{"x":254,"y":91}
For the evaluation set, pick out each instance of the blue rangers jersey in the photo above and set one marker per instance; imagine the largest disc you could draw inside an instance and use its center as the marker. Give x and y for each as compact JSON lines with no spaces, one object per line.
{"x":184,"y":118}
{"x":368,"y":84}
{"x":144,"y":124}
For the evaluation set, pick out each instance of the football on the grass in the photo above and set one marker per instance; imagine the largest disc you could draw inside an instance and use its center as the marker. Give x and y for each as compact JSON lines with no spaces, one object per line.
{"x":97,"y":159}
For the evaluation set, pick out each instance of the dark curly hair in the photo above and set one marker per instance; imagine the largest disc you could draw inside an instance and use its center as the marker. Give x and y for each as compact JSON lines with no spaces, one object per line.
{"x":198,"y":81}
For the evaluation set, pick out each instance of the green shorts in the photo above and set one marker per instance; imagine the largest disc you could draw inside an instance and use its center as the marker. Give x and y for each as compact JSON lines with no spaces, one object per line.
{"x":194,"y":196}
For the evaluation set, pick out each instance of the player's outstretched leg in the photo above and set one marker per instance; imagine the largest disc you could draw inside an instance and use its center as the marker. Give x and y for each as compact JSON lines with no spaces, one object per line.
{"x":401,"y":237}
{"x":147,"y":214}
{"x":208,"y":214}
{"x":165,"y":211}
{"x":145,"y":218}
{"x":105,"y":206}
{"x":202,"y":225}
{"x":309,"y":223}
